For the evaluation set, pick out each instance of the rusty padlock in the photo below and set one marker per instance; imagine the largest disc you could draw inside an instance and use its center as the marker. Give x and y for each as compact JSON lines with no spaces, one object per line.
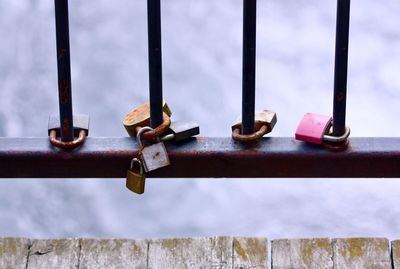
{"x":317,"y":129}
{"x":135,"y":177}
{"x":141,"y":117}
{"x":153,"y":156}
{"x":81,"y":123}
{"x":265,"y":121}
{"x":80,"y":132}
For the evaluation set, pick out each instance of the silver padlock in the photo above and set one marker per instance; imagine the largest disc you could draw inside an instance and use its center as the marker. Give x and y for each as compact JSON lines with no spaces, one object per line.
{"x":153,"y":156}
{"x":180,"y":130}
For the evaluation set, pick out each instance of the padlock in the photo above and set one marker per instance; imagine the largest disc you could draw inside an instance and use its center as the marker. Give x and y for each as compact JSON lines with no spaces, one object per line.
{"x":81,"y":122}
{"x":264,"y":117}
{"x":317,"y":129}
{"x":135,"y":178}
{"x":141,"y":117}
{"x":153,"y":156}
{"x":180,"y":130}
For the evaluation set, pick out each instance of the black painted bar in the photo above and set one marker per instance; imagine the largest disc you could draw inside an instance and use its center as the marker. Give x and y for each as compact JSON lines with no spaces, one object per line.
{"x":155,"y":62}
{"x":341,"y":63}
{"x":249,"y":65}
{"x":64,"y":70}
{"x":203,"y":157}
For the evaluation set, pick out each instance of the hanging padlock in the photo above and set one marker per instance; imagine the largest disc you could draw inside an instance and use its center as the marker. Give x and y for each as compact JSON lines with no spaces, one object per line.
{"x":179,"y":130}
{"x":317,"y":129}
{"x":153,"y":156}
{"x":141,"y":117}
{"x":135,"y":177}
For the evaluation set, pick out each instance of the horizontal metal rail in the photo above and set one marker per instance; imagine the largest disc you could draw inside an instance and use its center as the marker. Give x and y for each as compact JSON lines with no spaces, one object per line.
{"x":203,"y":158}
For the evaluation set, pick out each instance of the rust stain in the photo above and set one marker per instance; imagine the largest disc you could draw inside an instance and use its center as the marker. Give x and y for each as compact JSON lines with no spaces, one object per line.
{"x":65,"y":126}
{"x":64,"y":91}
{"x":201,"y":138}
{"x":61,"y":53}
{"x":140,"y":116}
{"x":340,"y":97}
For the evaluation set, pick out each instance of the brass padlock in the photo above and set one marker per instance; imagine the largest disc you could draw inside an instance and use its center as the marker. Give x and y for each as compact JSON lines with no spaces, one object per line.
{"x":264,"y":117}
{"x":135,"y":178}
{"x":154,"y":155}
{"x":141,"y":117}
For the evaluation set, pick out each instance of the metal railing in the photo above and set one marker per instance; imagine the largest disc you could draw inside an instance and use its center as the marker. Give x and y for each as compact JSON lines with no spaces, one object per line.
{"x":201,"y":156}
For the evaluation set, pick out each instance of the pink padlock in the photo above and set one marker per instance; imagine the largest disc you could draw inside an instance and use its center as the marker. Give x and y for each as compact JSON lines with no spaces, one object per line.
{"x":313,"y":127}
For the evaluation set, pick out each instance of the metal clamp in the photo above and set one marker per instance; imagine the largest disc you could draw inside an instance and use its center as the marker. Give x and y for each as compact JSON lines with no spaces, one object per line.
{"x":153,"y":134}
{"x":67,"y":145}
{"x":237,"y":136}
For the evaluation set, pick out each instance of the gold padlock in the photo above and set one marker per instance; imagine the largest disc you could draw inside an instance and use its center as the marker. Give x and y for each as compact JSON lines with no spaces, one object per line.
{"x":141,"y":117}
{"x":136,"y":180}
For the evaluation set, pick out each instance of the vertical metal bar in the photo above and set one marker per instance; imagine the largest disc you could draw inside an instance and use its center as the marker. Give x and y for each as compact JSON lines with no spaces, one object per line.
{"x":341,"y":62}
{"x":64,"y":70}
{"x":249,"y":65}
{"x":155,"y":62}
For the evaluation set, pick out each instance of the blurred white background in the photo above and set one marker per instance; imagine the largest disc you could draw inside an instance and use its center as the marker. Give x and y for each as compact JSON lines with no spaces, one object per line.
{"x":202,"y":82}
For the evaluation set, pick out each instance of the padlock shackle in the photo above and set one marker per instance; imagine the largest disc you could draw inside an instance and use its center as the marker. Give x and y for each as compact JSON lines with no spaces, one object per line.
{"x":341,"y":66}
{"x":64,"y":70}
{"x":139,"y":163}
{"x":141,"y":132}
{"x":337,"y":139}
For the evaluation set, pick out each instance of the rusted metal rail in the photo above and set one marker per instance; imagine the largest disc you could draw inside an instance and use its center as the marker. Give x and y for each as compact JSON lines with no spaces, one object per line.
{"x":64,"y":71}
{"x":203,"y":158}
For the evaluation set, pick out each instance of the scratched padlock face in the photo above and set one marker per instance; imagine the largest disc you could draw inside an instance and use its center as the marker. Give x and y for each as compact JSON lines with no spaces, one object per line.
{"x":154,"y":156}
{"x":313,"y":127}
{"x":141,"y":117}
